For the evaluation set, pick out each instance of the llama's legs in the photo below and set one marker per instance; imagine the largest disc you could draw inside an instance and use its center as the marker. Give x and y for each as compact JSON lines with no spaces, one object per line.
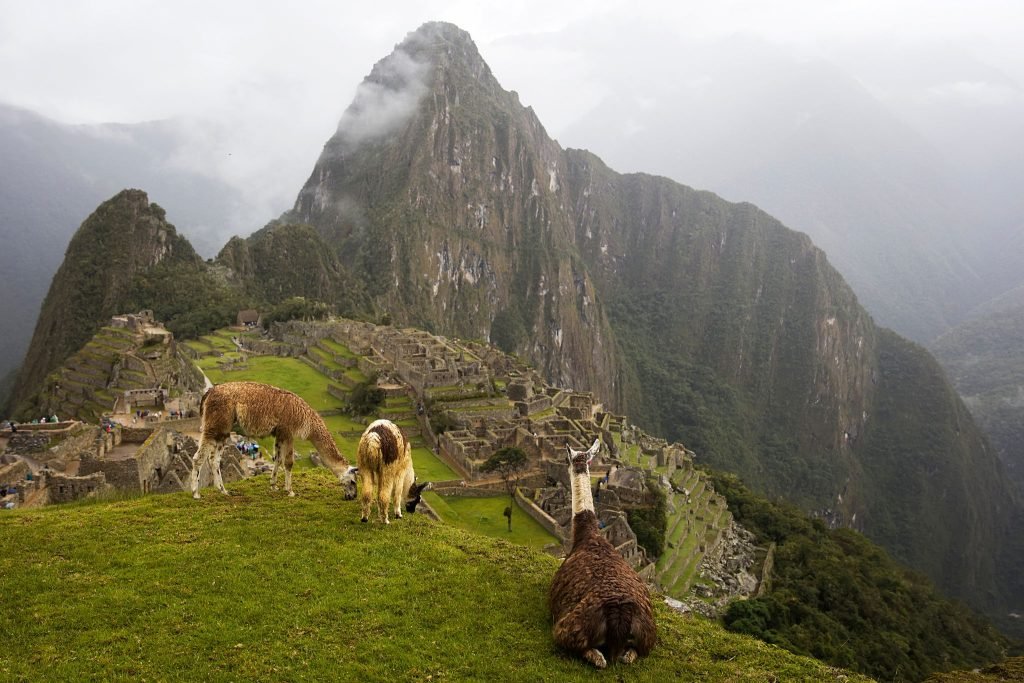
{"x":383,"y":499}
{"x":628,"y":657}
{"x":202,"y":455}
{"x":277,"y":461}
{"x":578,"y":631}
{"x":365,"y":492}
{"x":398,"y":490}
{"x":595,"y":657}
{"x":218,"y":479}
{"x":198,"y":459}
{"x":289,"y":460}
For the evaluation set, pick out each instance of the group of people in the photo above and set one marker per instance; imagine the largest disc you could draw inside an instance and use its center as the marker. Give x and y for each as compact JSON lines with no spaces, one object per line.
{"x":250,"y":448}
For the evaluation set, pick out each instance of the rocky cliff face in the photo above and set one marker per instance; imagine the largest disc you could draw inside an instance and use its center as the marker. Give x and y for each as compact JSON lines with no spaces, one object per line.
{"x":709,"y":322}
{"x":125,"y":236}
{"x":448,"y":198}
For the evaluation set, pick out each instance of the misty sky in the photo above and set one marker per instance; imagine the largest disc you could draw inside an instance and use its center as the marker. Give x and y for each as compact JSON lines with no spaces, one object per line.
{"x":274,"y":78}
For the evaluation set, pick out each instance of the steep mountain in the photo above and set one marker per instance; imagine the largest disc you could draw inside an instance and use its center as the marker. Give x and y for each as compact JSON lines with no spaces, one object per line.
{"x":708,"y":321}
{"x":124,"y":237}
{"x":911,"y":199}
{"x":984,"y":358}
{"x":54,"y":174}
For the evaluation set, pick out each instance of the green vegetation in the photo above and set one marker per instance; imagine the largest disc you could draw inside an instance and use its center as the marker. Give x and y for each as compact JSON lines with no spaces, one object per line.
{"x":428,"y":466}
{"x":190,"y":298}
{"x":365,"y":397}
{"x":836,"y":596}
{"x":258,"y":586}
{"x":650,"y":523}
{"x":288,"y":373}
{"x":296,"y":308}
{"x":509,"y":463}
{"x":485,"y":516}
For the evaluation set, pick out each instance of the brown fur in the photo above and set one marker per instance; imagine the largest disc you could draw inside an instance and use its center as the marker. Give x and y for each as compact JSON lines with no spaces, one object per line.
{"x":384,"y":457}
{"x":597,"y":601}
{"x":262,"y":410}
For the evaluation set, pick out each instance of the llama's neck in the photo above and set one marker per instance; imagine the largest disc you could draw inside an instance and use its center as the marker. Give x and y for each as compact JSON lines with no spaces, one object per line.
{"x":582,"y":498}
{"x":321,"y":437}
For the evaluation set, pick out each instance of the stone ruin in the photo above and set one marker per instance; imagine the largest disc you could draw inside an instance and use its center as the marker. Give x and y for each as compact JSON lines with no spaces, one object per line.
{"x":78,"y":460}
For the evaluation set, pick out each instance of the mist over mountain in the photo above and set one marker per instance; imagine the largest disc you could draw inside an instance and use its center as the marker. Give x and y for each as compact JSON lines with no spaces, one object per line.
{"x":908,"y":185}
{"x":984,"y":357}
{"x":54,"y":175}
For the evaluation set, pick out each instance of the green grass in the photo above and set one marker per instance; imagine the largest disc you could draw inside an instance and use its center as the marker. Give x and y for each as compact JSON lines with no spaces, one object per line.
{"x":261,"y":587}
{"x":288,"y":373}
{"x":338,"y":349}
{"x":484,"y":516}
{"x":428,"y":466}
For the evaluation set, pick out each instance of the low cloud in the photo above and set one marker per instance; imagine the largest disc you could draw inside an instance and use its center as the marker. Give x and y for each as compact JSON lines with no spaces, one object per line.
{"x":385,"y":100}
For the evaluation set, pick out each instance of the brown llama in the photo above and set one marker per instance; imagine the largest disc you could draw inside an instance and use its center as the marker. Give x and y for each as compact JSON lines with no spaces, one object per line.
{"x":597,"y":601}
{"x":384,"y":459}
{"x":262,"y":410}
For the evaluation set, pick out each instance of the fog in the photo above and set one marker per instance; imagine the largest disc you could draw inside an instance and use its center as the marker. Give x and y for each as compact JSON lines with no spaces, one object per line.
{"x":850,"y":120}
{"x":262,"y":86}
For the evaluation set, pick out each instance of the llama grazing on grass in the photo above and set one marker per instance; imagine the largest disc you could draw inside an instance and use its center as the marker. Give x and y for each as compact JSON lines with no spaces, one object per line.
{"x":384,"y":459}
{"x":262,"y":410}
{"x":597,"y":601}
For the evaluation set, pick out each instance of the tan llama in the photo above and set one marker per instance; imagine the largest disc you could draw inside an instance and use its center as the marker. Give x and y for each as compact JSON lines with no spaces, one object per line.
{"x":384,"y":459}
{"x":264,"y":410}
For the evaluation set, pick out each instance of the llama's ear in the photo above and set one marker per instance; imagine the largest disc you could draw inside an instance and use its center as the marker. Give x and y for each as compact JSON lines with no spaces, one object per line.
{"x":569,"y":453}
{"x":594,"y":450}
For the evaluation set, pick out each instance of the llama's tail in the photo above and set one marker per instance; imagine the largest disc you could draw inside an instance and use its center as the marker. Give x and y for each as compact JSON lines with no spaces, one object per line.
{"x":629,"y":627}
{"x":202,"y":401}
{"x":371,"y":454}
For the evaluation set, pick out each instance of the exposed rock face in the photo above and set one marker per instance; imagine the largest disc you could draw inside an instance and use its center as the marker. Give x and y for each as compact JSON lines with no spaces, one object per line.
{"x":456,"y":212}
{"x":709,"y":322}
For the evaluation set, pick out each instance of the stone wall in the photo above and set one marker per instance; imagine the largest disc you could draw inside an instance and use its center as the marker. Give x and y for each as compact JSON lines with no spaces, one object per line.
{"x":542,"y":518}
{"x":154,"y":459}
{"x":13,"y":473}
{"x":64,"y":489}
{"x":122,"y":474}
{"x":136,"y":434}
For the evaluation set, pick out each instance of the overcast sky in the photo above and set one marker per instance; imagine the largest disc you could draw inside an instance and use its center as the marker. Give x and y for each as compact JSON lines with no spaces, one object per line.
{"x":276,"y":76}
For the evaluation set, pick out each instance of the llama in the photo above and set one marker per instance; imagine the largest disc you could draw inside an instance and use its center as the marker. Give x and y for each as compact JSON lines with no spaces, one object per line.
{"x":384,"y":459}
{"x":597,"y":601}
{"x":262,"y":410}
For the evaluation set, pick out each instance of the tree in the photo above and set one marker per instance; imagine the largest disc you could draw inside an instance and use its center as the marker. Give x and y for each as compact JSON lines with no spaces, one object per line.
{"x":509,"y":463}
{"x":365,"y":397}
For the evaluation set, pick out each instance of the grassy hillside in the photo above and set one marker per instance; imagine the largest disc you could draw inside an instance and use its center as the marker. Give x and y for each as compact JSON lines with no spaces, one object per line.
{"x":261,"y":587}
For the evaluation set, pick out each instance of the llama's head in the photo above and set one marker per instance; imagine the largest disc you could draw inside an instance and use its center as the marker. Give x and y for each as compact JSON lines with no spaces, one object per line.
{"x":348,"y":483}
{"x":412,"y":499}
{"x":579,"y":461}
{"x":579,"y":477}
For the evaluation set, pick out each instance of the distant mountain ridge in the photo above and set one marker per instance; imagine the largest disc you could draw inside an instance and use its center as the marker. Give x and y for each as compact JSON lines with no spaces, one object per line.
{"x":447,"y":207}
{"x":55,"y":174}
{"x":914,"y":199}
